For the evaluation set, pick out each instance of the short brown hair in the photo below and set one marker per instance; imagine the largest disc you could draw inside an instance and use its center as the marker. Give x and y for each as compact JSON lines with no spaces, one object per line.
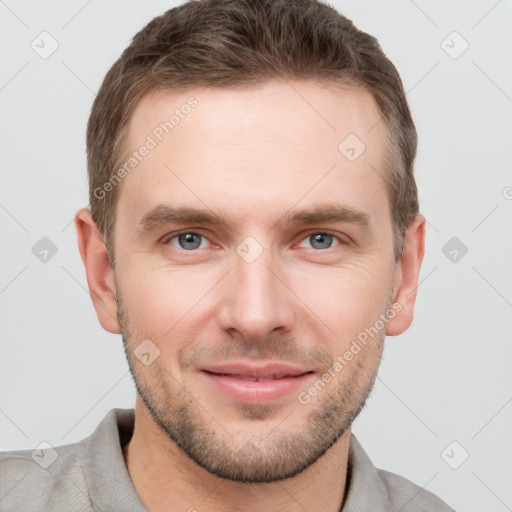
{"x":224,"y":43}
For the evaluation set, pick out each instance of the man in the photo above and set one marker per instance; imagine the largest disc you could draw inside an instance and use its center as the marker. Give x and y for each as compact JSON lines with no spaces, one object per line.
{"x":253,"y":236}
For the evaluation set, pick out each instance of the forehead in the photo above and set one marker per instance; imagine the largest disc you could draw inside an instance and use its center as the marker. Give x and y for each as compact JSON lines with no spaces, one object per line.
{"x":252,"y":148}
{"x":264,"y":113}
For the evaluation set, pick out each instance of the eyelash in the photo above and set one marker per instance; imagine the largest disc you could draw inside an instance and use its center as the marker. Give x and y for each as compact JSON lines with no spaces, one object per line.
{"x":168,"y":238}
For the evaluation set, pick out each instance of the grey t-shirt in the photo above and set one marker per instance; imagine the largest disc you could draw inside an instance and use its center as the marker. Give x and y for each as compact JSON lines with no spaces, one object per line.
{"x":91,"y":475}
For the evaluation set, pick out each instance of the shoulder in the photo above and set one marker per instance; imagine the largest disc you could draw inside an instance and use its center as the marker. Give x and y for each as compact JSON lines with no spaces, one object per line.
{"x":371,"y":488}
{"x":32,"y":479}
{"x":406,"y":496}
{"x":84,"y":476}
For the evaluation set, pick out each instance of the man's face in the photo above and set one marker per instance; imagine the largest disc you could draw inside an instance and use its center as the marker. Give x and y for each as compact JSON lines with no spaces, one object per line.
{"x":230,"y":299}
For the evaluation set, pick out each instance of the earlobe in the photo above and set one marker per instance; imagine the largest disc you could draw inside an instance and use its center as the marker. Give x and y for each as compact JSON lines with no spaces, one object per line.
{"x":100,"y":274}
{"x":407,"y":277}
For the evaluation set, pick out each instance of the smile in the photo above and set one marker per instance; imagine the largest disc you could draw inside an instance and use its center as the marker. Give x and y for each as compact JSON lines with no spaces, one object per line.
{"x":256,"y":385}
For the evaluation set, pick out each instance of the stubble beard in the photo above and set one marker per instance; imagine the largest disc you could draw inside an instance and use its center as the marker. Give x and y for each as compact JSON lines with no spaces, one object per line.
{"x":278,"y":455}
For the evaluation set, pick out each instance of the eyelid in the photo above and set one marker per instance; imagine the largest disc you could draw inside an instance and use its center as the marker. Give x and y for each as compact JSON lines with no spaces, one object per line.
{"x":196,"y":231}
{"x":342,"y":238}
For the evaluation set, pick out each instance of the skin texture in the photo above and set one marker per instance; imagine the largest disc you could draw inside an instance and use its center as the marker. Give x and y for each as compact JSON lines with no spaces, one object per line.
{"x":252,"y":155}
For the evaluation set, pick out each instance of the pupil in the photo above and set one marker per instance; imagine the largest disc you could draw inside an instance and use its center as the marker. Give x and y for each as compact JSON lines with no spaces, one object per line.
{"x":187,"y":241}
{"x":191,"y":240}
{"x":324,"y":239}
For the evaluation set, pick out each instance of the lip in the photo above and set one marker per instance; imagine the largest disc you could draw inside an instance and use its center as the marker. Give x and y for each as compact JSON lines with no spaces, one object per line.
{"x":253,"y":384}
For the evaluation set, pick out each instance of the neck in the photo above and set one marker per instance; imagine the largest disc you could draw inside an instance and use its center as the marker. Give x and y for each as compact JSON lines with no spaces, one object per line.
{"x":164,"y":476}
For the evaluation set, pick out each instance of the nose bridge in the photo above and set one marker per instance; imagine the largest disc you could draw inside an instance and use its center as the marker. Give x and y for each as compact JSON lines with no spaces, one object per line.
{"x":256,"y":301}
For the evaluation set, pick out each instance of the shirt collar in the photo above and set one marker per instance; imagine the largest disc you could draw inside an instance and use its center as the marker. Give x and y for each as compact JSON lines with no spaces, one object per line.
{"x":109,"y":483}
{"x":110,"y":486}
{"x":365,"y":489}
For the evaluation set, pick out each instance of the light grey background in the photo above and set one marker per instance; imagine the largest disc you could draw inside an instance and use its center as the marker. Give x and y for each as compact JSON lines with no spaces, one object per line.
{"x":447,"y":379}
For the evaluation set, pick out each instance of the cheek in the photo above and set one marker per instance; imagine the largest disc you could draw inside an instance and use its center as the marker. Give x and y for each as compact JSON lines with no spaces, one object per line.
{"x":347,"y":298}
{"x":162,"y":302}
{"x":172,"y":303}
{"x":163,"y":307}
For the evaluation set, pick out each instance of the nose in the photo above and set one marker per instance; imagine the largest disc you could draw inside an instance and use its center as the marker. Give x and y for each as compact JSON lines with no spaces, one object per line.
{"x":256,"y":299}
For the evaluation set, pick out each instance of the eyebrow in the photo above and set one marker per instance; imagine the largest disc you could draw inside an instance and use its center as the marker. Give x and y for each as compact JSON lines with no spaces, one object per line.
{"x":167,"y":214}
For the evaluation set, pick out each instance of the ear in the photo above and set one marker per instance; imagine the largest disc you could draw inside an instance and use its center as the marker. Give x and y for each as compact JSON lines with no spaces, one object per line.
{"x":100,"y":274}
{"x":406,"y":277}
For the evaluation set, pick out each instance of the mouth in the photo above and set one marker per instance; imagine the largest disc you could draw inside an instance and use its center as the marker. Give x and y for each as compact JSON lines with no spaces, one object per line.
{"x":256,"y":384}
{"x":260,"y":378}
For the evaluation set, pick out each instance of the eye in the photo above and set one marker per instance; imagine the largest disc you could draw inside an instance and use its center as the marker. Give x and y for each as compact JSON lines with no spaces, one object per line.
{"x":190,"y":241}
{"x":187,"y":241}
{"x":321,"y":240}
